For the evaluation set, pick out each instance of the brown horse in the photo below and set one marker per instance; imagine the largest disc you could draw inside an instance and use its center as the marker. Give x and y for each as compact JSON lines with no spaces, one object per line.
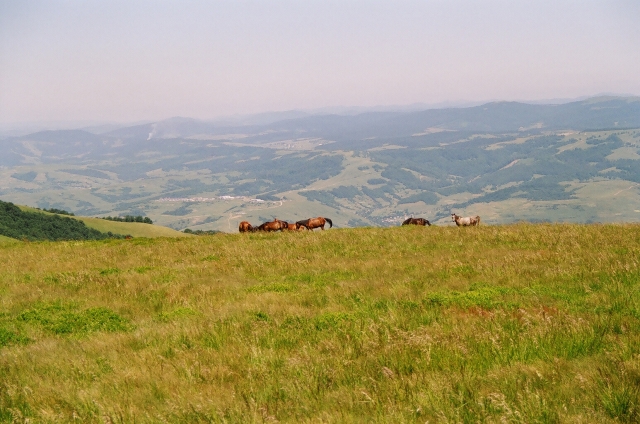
{"x":245,"y":227}
{"x":416,"y":221}
{"x":467,"y":221}
{"x":292,"y":226}
{"x":312,"y":223}
{"x":275,"y":225}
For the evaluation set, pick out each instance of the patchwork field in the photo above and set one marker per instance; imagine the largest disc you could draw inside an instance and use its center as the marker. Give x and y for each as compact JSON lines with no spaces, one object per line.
{"x":516,"y":323}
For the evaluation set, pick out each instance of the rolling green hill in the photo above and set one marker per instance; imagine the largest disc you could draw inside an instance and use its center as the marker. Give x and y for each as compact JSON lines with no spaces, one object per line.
{"x":32,"y":226}
{"x":525,"y":323}
{"x":134,"y":229}
{"x":98,"y":228}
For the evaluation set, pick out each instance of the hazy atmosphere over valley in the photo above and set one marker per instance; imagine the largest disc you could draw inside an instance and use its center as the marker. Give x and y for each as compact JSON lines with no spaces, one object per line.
{"x":203,"y":114}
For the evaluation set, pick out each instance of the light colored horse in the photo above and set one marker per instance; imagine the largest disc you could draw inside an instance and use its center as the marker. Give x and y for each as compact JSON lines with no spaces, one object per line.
{"x":466,"y":221}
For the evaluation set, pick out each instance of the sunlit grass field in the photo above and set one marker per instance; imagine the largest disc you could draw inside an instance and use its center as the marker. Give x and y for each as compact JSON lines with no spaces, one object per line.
{"x":4,"y":239}
{"x":135,"y":229}
{"x":518,"y":323}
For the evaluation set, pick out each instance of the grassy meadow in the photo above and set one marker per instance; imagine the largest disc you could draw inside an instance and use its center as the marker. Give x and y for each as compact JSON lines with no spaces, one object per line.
{"x":135,"y":229}
{"x":516,"y":323}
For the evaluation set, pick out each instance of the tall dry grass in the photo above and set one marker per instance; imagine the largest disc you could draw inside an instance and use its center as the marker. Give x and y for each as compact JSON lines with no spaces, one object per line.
{"x":521,"y":323}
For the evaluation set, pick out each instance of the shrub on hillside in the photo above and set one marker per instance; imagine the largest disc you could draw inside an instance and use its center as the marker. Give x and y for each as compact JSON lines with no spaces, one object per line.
{"x":200,"y":232}
{"x":59,"y":211}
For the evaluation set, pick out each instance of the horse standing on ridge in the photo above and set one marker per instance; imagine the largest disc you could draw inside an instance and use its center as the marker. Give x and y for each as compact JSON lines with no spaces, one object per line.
{"x":467,"y":221}
{"x":416,"y":221}
{"x":275,"y":225}
{"x":245,"y":227}
{"x":292,"y":226}
{"x":312,"y":223}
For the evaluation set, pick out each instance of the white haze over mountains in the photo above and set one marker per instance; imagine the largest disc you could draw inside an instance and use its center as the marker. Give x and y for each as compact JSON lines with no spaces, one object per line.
{"x":265,"y":118}
{"x":77,"y":64}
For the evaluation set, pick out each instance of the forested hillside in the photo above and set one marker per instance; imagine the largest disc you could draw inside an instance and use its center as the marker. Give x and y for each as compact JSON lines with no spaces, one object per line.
{"x":34,"y":226}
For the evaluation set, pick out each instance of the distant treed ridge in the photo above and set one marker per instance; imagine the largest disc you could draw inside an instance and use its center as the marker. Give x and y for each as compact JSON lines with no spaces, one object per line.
{"x":130,"y":218}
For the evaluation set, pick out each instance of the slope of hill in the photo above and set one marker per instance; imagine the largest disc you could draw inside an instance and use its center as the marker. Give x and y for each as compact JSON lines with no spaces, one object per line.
{"x":134,"y":229}
{"x":525,"y":323}
{"x":5,"y":239}
{"x":18,"y":224}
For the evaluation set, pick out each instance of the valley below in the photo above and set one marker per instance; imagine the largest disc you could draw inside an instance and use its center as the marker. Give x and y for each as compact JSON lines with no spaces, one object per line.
{"x":506,"y":162}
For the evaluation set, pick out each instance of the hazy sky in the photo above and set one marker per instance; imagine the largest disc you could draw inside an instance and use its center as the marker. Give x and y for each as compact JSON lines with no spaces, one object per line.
{"x":131,"y":60}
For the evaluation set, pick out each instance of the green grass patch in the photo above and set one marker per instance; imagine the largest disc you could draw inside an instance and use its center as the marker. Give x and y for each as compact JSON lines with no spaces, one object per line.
{"x":109,"y":271}
{"x":8,"y":337}
{"x":177,"y":314}
{"x":333,"y":320}
{"x":272,"y":288}
{"x":484,"y":297}
{"x":60,"y":318}
{"x":211,"y":258}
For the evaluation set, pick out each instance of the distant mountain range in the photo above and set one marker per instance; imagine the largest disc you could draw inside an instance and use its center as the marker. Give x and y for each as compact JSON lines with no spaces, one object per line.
{"x":509,"y":160}
{"x":595,"y":113}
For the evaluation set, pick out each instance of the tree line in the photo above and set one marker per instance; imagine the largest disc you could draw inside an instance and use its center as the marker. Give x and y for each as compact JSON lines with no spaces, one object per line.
{"x":129,"y":218}
{"x":57,"y":211}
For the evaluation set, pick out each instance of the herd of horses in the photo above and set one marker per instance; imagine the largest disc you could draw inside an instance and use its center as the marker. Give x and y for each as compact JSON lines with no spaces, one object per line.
{"x":277,"y":225}
{"x":460,"y":221}
{"x":319,"y":222}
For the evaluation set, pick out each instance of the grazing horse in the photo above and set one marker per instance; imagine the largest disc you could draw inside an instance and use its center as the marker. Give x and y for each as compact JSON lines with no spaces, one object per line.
{"x":245,"y":227}
{"x":416,"y":221}
{"x":275,"y":225}
{"x":467,"y":221}
{"x":292,"y":226}
{"x":312,"y":223}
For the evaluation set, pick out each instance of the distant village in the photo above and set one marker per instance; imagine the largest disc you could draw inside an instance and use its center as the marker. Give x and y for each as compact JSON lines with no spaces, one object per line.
{"x":210,"y":199}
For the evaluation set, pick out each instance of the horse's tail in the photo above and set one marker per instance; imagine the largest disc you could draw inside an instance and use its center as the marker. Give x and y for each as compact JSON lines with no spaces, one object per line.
{"x":478,"y":218}
{"x":329,"y":221}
